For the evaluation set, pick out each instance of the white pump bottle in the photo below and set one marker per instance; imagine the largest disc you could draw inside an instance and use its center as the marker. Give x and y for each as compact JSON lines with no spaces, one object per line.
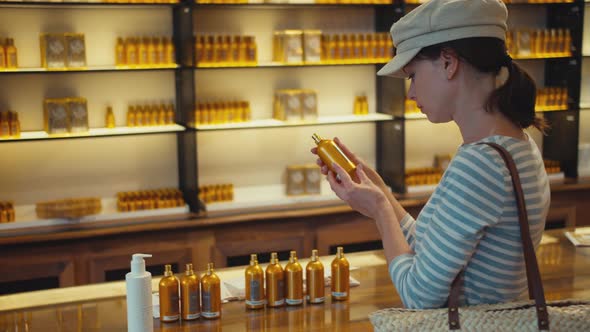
{"x":139,"y":296}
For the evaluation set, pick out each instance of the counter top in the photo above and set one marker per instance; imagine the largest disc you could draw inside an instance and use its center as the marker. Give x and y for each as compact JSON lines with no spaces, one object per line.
{"x":565,"y":270}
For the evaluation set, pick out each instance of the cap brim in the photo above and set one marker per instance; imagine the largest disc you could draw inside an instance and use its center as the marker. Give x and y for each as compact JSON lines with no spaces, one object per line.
{"x":395,"y":66}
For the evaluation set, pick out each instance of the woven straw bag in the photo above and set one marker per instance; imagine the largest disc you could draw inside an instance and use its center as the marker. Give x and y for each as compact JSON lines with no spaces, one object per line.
{"x":567,"y":315}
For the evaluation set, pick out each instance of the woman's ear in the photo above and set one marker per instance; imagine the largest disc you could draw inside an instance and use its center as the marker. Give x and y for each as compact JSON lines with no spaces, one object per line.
{"x":450,"y":63}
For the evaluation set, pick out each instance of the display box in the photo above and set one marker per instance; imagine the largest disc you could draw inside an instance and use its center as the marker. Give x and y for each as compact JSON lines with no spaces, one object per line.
{"x":76,"y":50}
{"x":313,"y":179}
{"x":56,"y":116}
{"x":287,"y":105}
{"x":309,"y":104}
{"x":78,"y":112}
{"x":288,"y":46}
{"x":312,"y":46}
{"x":295,"y":180}
{"x":53,"y":50}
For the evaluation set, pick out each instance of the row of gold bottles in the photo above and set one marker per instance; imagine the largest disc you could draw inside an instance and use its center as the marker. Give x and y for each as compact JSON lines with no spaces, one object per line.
{"x":189,"y":298}
{"x":128,"y":201}
{"x":548,"y":98}
{"x":222,"y":112}
{"x":374,"y":2}
{"x":216,"y":193}
{"x":69,"y":208}
{"x":144,"y":52}
{"x":539,"y":43}
{"x":285,"y":286}
{"x":361,"y":105}
{"x":551,"y":98}
{"x":9,"y":125}
{"x":356,"y":47}
{"x":8,"y":54}
{"x":226,"y":50}
{"x":7,"y":213}
{"x":150,"y":115}
{"x":423,"y":176}
{"x":139,"y":1}
{"x":552,"y":166}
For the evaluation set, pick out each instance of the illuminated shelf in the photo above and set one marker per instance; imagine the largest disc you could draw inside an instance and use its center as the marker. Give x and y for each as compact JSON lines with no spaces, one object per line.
{"x":96,"y":132}
{"x":281,"y":65}
{"x":37,"y":70}
{"x":90,"y":3}
{"x":585,"y":106}
{"x":272,"y":197}
{"x":322,"y":120}
{"x":541,"y":57}
{"x":417,"y":116}
{"x":26,"y":217}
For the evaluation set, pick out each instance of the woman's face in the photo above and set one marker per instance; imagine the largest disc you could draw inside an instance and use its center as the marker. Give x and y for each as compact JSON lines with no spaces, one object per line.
{"x":429,"y":87}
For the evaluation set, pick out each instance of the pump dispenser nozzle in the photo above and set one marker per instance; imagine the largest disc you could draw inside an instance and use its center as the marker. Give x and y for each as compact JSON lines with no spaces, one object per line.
{"x":138,"y":263}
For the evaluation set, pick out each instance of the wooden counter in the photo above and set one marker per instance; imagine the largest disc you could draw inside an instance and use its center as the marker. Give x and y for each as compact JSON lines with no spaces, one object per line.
{"x":565,"y":270}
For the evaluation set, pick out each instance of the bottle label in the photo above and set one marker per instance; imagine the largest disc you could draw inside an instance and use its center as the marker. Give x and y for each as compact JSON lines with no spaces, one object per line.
{"x":339,"y":294}
{"x":259,"y":302}
{"x":317,"y":300}
{"x":170,"y":318}
{"x":255,"y":294}
{"x":174,"y":304}
{"x":206,"y":299}
{"x":192,"y":316}
{"x":279,"y":302}
{"x":281,"y":289}
{"x":193,"y":303}
{"x":294,"y":301}
{"x":210,"y":314}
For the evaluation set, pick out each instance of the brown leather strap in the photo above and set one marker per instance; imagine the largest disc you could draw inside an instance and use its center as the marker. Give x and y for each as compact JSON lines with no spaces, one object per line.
{"x":535,"y":283}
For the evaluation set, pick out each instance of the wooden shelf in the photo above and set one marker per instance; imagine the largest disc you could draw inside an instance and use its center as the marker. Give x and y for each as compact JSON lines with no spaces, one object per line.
{"x":90,"y":69}
{"x":289,"y":65}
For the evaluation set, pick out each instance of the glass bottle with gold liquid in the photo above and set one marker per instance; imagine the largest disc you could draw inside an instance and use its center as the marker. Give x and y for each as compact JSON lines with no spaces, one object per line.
{"x":14,"y":125}
{"x":169,"y":51}
{"x":275,"y":282}
{"x":254,"y":284}
{"x":131,"y":116}
{"x":131,"y":51}
{"x":210,"y":294}
{"x":109,"y":118}
{"x":4,"y":125}
{"x":160,"y":51}
{"x":120,"y":59}
{"x":314,"y":274}
{"x":190,"y":294}
{"x":252,"y":58}
{"x":2,"y":55}
{"x":170,"y":114}
{"x":294,"y":281}
{"x":139,"y":119}
{"x":143,"y":45}
{"x":169,"y":297}
{"x":340,"y":283}
{"x":11,"y":54}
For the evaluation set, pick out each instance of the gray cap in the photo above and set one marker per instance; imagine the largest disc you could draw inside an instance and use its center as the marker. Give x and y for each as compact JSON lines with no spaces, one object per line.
{"x":438,"y":21}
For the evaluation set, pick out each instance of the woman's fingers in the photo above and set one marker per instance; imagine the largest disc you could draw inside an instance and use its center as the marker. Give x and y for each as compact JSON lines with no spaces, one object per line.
{"x":347,"y":152}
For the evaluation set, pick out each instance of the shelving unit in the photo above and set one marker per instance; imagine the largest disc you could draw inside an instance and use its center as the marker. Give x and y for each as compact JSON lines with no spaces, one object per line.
{"x":252,"y":155}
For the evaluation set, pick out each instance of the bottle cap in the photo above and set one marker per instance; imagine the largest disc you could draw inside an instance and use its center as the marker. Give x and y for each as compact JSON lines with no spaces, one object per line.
{"x":189,"y":269}
{"x":253,"y":259}
{"x":293,"y":256}
{"x":340,"y":251}
{"x":314,"y":255}
{"x":168,"y":270}
{"x":138,"y":263}
{"x":316,"y":138}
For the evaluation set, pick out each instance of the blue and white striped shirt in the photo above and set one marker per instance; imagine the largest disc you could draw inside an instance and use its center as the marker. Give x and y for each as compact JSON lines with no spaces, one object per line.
{"x":471,"y":220}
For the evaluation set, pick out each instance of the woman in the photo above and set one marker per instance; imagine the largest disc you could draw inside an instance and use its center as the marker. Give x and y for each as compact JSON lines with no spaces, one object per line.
{"x":454,"y":53}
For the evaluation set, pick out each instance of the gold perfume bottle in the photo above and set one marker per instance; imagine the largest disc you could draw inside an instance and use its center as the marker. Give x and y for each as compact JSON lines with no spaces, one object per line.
{"x":2,"y":55}
{"x":340,"y":276}
{"x":254,"y":284}
{"x":14,"y":124}
{"x":169,"y":51}
{"x":131,"y":51}
{"x":11,"y":54}
{"x":120,"y":59}
{"x":169,"y":297}
{"x":294,"y":279}
{"x":330,"y":153}
{"x":314,"y":274}
{"x":131,"y":116}
{"x":252,"y":51}
{"x":152,"y":52}
{"x":189,"y":290}
{"x":275,"y":282}
{"x":4,"y":125}
{"x":110,"y":118}
{"x":210,"y":294}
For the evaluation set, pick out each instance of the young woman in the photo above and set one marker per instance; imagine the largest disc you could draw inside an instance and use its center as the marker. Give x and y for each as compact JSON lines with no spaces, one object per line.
{"x":454,"y":53}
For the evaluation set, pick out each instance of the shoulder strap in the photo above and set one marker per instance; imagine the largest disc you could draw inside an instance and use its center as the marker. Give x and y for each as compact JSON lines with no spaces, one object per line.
{"x":532,"y":268}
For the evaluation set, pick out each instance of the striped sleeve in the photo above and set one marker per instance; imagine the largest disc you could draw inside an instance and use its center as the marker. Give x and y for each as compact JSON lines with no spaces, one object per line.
{"x":470,"y":198}
{"x":408,"y":225}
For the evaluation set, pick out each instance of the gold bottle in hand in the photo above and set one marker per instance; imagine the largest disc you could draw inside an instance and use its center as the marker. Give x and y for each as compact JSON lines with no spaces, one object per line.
{"x":254,"y":284}
{"x":314,"y":273}
{"x":340,"y":284}
{"x":275,"y":282}
{"x":329,"y":153}
{"x":294,"y":281}
{"x":189,"y":289}
{"x":169,"y":297}
{"x":210,"y":294}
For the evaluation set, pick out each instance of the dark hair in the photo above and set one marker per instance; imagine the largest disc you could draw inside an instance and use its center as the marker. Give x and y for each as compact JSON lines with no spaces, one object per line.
{"x":516,"y":97}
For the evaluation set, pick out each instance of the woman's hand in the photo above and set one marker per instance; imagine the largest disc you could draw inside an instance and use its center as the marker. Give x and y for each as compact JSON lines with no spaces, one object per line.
{"x":365,"y":197}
